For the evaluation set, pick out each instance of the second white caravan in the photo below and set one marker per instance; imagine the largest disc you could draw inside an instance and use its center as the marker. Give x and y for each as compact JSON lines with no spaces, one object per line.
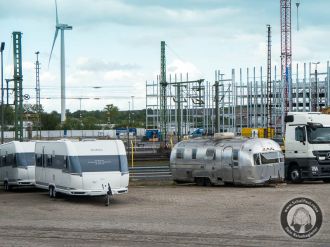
{"x":17,"y":164}
{"x":82,"y":168}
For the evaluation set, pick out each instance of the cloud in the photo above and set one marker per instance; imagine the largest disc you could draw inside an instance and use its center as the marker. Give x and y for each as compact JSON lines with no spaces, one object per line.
{"x":179,"y":67}
{"x":88,"y":64}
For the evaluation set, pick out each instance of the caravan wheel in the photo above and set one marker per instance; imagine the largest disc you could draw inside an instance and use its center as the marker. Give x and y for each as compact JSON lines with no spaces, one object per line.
{"x":6,"y":186}
{"x":51,"y":191}
{"x":54,"y":193}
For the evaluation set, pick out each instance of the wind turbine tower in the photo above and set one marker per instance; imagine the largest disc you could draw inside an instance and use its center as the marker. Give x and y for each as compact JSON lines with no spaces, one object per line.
{"x":62,"y":28}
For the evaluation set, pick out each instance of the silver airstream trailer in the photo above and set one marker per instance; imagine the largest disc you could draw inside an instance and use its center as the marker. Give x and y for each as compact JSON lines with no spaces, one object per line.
{"x":227,"y":159}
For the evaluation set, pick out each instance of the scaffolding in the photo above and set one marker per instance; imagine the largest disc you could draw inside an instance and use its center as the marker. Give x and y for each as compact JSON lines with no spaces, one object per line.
{"x":186,"y":105}
{"x":244,"y":101}
{"x":236,"y":100}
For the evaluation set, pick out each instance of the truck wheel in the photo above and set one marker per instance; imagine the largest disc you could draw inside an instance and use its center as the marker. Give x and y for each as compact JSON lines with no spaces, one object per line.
{"x":326,"y":180}
{"x":295,"y":175}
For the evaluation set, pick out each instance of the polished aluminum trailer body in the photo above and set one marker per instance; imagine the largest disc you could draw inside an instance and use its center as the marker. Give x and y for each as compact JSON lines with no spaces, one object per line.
{"x":235,"y":160}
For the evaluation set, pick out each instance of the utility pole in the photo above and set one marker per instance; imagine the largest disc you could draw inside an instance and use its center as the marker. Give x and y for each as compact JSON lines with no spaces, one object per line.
{"x":217,"y":110}
{"x":18,"y":87}
{"x":163,"y":94}
{"x":38,"y":104}
{"x":2,"y":95}
{"x":269,"y":84}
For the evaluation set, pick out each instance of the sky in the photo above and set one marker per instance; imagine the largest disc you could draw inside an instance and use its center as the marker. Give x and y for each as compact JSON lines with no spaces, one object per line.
{"x":114,"y":46}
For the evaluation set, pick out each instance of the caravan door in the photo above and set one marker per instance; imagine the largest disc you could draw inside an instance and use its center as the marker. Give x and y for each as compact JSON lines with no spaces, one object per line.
{"x":226,"y":160}
{"x":236,"y":171}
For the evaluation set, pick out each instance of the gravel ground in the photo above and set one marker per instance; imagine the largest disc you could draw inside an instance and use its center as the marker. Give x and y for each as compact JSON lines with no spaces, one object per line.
{"x":155,"y":215}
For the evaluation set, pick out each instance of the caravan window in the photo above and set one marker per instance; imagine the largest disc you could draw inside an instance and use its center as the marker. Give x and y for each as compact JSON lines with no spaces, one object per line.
{"x":38,"y":160}
{"x":14,"y":160}
{"x":66,"y":163}
{"x":49,"y":160}
{"x":123,"y":164}
{"x":210,"y":154}
{"x":100,"y":163}
{"x":194,"y":154}
{"x":179,"y":153}
{"x":3,"y":161}
{"x":235,"y":157}
{"x":25,"y":159}
{"x":269,"y":158}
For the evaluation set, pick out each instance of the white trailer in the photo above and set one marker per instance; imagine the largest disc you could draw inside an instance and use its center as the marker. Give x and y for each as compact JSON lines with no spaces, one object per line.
{"x":82,"y":168}
{"x":17,"y":166}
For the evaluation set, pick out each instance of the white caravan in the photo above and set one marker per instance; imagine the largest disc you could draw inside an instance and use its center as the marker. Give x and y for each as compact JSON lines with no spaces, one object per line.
{"x":307,"y":146}
{"x":17,"y":166}
{"x":82,"y":168}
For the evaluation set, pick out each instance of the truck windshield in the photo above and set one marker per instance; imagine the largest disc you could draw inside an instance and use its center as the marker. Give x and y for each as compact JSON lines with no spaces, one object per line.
{"x":25,"y":159}
{"x":318,"y":135}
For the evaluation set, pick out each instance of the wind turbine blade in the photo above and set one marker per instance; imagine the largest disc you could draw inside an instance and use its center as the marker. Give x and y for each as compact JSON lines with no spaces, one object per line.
{"x":51,"y":52}
{"x":56,"y":12}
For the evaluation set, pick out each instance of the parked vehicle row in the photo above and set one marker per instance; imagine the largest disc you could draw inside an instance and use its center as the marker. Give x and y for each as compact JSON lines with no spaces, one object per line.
{"x":91,"y":168}
{"x":240,"y":160}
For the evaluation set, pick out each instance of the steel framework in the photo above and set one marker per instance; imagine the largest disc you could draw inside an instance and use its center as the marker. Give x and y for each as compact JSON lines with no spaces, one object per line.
{"x":163,"y":94}
{"x":18,"y":88}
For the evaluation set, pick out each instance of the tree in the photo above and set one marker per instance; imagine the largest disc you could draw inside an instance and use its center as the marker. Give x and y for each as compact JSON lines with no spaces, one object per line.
{"x":72,"y":124}
{"x":111,"y":111}
{"x":50,"y":121}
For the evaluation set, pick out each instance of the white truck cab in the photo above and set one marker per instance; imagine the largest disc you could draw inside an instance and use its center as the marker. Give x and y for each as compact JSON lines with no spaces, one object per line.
{"x":307,"y":146}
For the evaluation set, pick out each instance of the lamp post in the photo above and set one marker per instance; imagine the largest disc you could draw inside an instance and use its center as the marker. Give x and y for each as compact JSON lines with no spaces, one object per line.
{"x":316,"y":106}
{"x":2,"y":93}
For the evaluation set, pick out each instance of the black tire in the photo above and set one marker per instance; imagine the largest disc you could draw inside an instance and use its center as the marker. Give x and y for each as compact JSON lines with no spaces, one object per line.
{"x":54,"y":193}
{"x":6,"y":186}
{"x":50,"y":191}
{"x":326,"y":180}
{"x":295,"y":175}
{"x":199,"y":181}
{"x":207,"y":182}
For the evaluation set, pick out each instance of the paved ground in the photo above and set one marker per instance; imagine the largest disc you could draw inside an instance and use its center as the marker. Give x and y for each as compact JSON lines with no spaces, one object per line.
{"x":159,"y":216}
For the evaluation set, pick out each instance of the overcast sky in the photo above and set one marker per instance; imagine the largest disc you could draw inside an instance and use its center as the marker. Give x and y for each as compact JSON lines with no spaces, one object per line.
{"x":115,"y":44}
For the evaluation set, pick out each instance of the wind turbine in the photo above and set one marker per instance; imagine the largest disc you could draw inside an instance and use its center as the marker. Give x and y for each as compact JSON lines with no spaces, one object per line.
{"x":62,"y":28}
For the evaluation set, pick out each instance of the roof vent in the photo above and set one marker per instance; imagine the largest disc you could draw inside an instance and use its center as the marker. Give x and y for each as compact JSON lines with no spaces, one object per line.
{"x":226,"y":135}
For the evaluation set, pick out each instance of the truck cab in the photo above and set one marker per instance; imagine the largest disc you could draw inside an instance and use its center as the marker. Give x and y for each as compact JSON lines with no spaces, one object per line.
{"x":307,"y":146}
